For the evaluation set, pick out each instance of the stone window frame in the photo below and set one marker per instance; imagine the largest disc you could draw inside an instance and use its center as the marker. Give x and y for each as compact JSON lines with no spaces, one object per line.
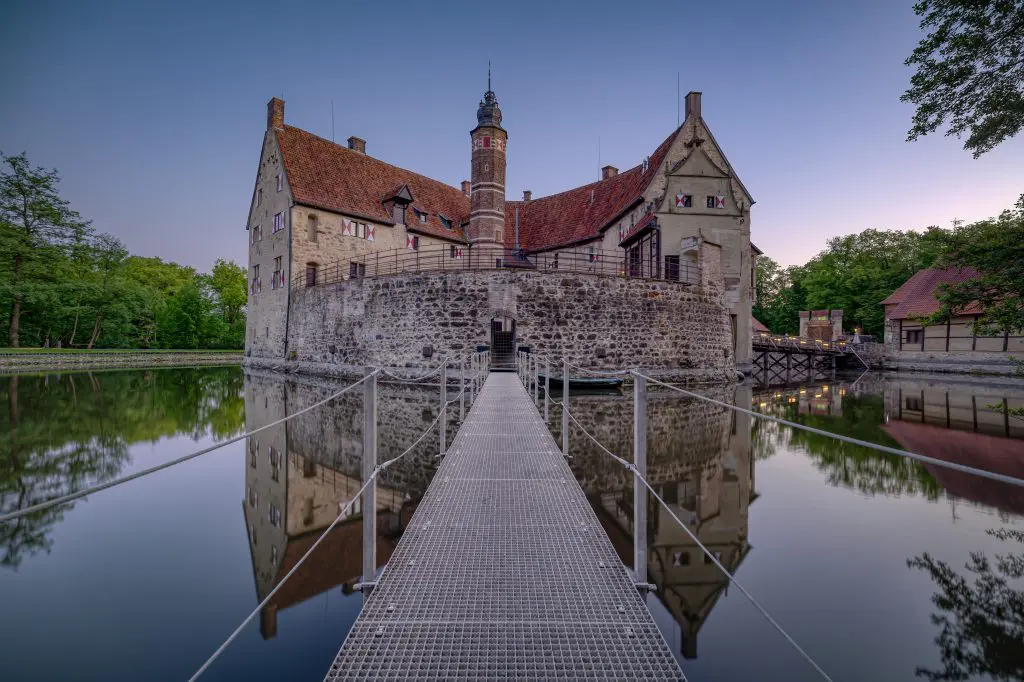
{"x":274,"y":515}
{"x":360,"y":230}
{"x":259,"y":197}
{"x":312,"y":227}
{"x":356,"y":270}
{"x":278,"y":222}
{"x":278,"y":278}
{"x":280,"y":181}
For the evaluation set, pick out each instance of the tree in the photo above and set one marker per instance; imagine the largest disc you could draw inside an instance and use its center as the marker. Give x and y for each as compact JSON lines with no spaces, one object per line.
{"x":970,"y":70}
{"x":995,"y":248}
{"x":35,"y":224}
{"x":981,"y":621}
{"x":228,"y":281}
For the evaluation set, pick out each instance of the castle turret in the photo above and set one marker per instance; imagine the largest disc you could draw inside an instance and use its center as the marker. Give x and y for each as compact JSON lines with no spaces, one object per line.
{"x":487,"y":212}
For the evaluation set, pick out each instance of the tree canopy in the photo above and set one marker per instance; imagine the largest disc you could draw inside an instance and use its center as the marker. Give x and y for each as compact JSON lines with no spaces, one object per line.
{"x":969,"y":71}
{"x":60,"y":281}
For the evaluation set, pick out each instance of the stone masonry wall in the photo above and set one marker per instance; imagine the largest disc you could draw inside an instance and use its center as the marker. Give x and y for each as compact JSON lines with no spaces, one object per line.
{"x":597,"y":322}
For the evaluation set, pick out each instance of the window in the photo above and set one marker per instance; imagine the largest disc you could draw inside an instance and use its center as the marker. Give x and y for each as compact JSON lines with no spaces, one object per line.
{"x":420,"y":215}
{"x":361,"y":230}
{"x":255,"y":285}
{"x":711,"y":201}
{"x":444,"y":221}
{"x":278,"y":222}
{"x":455,"y":252}
{"x":259,"y":196}
{"x":277,"y":279}
{"x":913,"y":404}
{"x":356,"y":270}
{"x":273,"y":555}
{"x":593,"y":254}
{"x":254,"y":443}
{"x":253,"y":498}
{"x":280,"y":182}
{"x":915,"y":336}
{"x":554,"y":262}
{"x":310,"y":274}
{"x":398,"y":213}
{"x":275,"y":464}
{"x":252,"y":533}
{"x":672,"y":268}
{"x":274,"y":516}
{"x":256,"y":234}
{"x":684,"y":201}
{"x":497,"y":236}
{"x":311,"y":228}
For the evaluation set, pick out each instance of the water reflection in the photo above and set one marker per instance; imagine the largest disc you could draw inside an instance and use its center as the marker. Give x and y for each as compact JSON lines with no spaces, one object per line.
{"x":300,"y":474}
{"x":64,"y":432}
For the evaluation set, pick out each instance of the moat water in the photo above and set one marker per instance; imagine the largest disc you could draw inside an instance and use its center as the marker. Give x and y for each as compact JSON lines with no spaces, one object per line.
{"x":882,"y":569}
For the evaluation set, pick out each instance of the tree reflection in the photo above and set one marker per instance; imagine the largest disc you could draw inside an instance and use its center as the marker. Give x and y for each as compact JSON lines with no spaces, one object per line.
{"x":62,"y":433}
{"x":852,"y":466}
{"x":981,"y":619}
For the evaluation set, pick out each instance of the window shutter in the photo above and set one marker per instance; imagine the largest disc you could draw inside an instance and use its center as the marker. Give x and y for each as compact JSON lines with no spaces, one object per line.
{"x":408,"y":242}
{"x":719,"y":201}
{"x":371,"y":232}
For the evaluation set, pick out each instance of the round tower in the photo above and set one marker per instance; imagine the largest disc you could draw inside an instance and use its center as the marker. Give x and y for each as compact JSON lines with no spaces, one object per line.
{"x":487,"y":203}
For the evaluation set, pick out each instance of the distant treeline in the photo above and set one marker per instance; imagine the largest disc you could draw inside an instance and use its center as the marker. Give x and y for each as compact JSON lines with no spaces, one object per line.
{"x":63,"y":283}
{"x":857,"y":271}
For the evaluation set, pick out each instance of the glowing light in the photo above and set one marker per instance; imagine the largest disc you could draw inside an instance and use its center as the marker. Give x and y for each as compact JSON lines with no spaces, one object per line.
{"x":803,"y":390}
{"x":824,"y":388}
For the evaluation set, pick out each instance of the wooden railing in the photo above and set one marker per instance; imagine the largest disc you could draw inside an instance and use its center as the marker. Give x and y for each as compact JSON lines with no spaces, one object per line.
{"x":434,"y":259}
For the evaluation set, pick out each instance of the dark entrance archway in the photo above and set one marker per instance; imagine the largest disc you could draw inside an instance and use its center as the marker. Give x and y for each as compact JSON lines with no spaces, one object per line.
{"x":503,"y":344}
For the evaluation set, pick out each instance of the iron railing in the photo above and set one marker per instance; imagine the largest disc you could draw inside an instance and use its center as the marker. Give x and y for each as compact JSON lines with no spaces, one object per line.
{"x":454,"y":258}
{"x":780,"y":341}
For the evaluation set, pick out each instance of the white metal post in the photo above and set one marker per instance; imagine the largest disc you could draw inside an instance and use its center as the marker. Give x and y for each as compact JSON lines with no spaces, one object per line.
{"x":536,"y":379}
{"x":639,"y":489}
{"x":547,"y":388}
{"x":474,"y":360}
{"x":565,"y":407}
{"x":443,"y":421}
{"x":370,"y":493}
{"x":462,"y":390}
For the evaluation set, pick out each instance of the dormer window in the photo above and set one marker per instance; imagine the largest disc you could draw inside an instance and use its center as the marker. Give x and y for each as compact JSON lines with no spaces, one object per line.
{"x":444,"y":221}
{"x":398,"y":213}
{"x":396,"y":202}
{"x":420,"y":216}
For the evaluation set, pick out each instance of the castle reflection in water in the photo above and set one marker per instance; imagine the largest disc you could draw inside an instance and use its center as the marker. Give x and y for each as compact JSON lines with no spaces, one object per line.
{"x":701,"y":460}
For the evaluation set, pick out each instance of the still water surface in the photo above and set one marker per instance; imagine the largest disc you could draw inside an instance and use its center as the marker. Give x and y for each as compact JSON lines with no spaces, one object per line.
{"x":882,"y":569}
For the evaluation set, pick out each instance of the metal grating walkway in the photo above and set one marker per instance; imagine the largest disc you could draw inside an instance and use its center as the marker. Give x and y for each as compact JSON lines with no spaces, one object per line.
{"x":504,"y":570}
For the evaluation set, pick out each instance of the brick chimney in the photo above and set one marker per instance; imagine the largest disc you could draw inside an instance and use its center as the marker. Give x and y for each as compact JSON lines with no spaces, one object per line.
{"x":358,"y":144}
{"x":693,"y":104}
{"x":275,"y":113}
{"x":527,"y":195}
{"x":466,"y":187}
{"x":609,"y":172}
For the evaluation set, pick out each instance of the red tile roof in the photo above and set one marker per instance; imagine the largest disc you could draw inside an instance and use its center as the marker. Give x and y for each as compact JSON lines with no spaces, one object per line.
{"x":326,"y":175}
{"x":580,"y":214}
{"x":648,"y":220}
{"x":758,"y":327}
{"x":916,"y":298}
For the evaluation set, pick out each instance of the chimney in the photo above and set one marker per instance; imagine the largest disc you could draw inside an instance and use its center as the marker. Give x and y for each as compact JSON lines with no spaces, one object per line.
{"x":527,"y":195}
{"x":692,"y":104}
{"x":357,"y":144}
{"x":275,"y":113}
{"x":609,"y":172}
{"x":466,"y":187}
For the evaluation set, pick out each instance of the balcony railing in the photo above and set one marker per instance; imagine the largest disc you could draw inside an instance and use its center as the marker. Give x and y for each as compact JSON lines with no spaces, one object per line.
{"x":434,"y":259}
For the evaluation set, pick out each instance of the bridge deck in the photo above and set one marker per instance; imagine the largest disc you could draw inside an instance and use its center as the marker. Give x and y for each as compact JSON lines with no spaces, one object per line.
{"x":504,"y":570}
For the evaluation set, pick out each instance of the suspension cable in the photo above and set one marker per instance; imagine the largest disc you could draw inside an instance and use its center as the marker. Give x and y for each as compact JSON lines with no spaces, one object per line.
{"x":924,"y":459}
{"x":376,"y":472}
{"x":707,"y":553}
{"x":166,"y":465}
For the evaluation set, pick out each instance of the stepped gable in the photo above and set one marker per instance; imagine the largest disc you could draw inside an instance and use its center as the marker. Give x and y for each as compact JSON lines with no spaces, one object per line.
{"x":323,"y":174}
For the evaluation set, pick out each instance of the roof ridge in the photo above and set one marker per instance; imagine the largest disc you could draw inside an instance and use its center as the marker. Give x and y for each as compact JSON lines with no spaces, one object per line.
{"x":378,"y":160}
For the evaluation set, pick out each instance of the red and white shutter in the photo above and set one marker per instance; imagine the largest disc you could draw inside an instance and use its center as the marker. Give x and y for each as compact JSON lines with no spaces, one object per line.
{"x":371,"y":233}
{"x":458,"y":252}
{"x":680,"y":200}
{"x":347,"y":228}
{"x":719,"y":201}
{"x":409,"y":242}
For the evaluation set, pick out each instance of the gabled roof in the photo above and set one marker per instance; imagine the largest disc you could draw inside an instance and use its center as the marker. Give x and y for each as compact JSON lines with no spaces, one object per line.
{"x":917,"y":296}
{"x":759,"y":326}
{"x":326,"y":175}
{"x":580,"y":214}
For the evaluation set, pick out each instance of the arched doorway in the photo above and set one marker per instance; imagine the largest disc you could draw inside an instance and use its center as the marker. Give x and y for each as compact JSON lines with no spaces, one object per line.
{"x":503,"y":344}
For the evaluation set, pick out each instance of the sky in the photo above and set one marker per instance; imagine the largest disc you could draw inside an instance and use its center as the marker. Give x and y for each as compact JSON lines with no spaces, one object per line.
{"x":154,"y":113}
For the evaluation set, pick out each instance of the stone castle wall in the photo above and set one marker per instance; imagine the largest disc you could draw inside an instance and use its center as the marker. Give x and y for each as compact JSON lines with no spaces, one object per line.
{"x":409,"y":321}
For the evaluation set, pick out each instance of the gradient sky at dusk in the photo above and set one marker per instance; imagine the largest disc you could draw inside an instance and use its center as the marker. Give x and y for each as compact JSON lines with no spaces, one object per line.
{"x":154,"y":112}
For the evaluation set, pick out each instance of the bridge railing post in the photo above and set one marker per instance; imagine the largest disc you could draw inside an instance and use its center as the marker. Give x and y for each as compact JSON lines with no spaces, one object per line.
{"x":370,"y":493}
{"x":462,"y":389}
{"x":639,"y":489}
{"x":475,"y":361}
{"x":536,"y":379}
{"x":547,"y":388}
{"x":443,"y":421}
{"x":565,"y":407}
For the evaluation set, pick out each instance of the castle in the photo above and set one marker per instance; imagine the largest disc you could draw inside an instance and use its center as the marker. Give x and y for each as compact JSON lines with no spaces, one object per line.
{"x":652,"y":266}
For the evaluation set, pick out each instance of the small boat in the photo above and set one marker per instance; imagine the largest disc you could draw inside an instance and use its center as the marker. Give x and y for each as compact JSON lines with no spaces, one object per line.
{"x":585,"y":383}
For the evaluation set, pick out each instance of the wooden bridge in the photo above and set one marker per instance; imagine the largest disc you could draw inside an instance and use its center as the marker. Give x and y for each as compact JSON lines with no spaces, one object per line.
{"x":779,"y":359}
{"x":505,"y":570}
